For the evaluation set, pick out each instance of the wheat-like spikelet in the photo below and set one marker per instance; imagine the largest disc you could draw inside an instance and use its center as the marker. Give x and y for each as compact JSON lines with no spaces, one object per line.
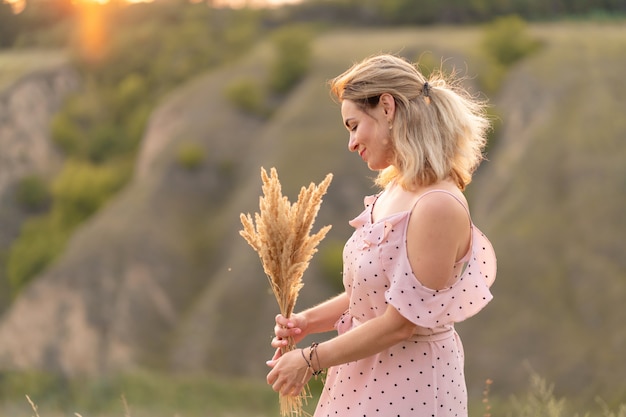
{"x":283,"y":242}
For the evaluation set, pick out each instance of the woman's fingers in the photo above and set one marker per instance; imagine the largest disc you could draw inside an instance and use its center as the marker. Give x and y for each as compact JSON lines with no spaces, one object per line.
{"x":286,"y":376}
{"x":297,"y":385}
{"x":283,"y":323}
{"x":284,"y":330}
{"x":277,"y":354}
{"x":287,"y":388}
{"x":274,"y":342}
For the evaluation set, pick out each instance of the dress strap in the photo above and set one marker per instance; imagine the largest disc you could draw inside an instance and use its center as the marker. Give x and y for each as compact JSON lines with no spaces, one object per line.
{"x":445,"y":192}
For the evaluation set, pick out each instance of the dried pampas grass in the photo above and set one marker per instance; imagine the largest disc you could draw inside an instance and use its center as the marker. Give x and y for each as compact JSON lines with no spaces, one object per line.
{"x":282,"y":240}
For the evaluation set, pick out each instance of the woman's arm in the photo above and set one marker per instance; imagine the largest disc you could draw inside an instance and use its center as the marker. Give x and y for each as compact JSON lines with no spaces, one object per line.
{"x":318,"y":319}
{"x":438,"y":235}
{"x":290,"y":372}
{"x":322,"y":317}
{"x":371,"y":337}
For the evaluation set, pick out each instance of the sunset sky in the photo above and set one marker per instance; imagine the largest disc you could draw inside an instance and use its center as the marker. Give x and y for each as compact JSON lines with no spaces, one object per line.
{"x":18,"y":5}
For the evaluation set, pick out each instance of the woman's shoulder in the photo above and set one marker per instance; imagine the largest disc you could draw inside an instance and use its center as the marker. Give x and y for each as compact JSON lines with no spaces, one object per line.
{"x":442,"y":195}
{"x":439,"y":208}
{"x":440,"y":204}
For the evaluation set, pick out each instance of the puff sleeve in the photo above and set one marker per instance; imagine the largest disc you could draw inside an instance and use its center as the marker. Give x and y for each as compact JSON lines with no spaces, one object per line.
{"x":435,"y":308}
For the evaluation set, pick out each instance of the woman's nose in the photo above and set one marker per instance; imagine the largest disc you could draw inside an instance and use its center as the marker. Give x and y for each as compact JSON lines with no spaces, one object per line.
{"x":352,"y":143}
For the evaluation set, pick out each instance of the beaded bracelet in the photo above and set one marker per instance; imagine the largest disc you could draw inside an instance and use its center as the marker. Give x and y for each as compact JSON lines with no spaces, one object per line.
{"x":313,"y":351}
{"x":308,"y":364}
{"x":309,"y":361}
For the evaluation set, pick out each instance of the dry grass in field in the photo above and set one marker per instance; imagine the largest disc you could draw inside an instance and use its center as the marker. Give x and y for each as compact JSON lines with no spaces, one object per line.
{"x":282,"y":240}
{"x":138,"y":394}
{"x":36,"y":408}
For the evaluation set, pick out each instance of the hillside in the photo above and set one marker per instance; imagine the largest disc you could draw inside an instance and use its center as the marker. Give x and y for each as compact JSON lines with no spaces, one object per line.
{"x":160,"y":278}
{"x":33,"y":85}
{"x":552,"y":200}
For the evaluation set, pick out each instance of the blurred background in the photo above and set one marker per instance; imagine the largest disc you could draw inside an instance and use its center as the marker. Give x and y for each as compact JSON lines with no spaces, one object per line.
{"x":132,"y":136}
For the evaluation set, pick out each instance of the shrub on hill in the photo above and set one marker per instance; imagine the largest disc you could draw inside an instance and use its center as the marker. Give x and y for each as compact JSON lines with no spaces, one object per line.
{"x":81,"y":188}
{"x":507,"y":40}
{"x":190,"y":156}
{"x":246,"y":94}
{"x":41,"y":240}
{"x":33,"y":193}
{"x":293,"y":57}
{"x":77,"y":193}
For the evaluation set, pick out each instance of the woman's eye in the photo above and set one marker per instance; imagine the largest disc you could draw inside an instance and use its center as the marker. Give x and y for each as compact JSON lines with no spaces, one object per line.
{"x":353,"y":128}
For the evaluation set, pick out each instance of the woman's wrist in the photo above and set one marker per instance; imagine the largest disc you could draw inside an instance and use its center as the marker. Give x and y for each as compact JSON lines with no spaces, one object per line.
{"x":312,"y":359}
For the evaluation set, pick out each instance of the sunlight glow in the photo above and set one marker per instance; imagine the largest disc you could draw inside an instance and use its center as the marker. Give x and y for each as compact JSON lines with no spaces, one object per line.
{"x":92,"y":29}
{"x":18,"y":5}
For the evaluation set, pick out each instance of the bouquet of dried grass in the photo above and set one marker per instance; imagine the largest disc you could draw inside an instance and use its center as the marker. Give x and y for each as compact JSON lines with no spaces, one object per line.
{"x":282,"y":240}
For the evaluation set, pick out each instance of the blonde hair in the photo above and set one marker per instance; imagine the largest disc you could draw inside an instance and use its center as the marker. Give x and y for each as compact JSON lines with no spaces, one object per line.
{"x":438,"y":130}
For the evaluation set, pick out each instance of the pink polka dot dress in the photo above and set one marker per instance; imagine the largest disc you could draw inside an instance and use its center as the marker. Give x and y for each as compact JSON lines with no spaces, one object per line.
{"x":422,"y":376}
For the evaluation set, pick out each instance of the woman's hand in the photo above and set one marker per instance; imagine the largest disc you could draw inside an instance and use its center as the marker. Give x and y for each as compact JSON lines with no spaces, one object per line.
{"x":294,"y":327}
{"x":290,"y":372}
{"x":319,"y":319}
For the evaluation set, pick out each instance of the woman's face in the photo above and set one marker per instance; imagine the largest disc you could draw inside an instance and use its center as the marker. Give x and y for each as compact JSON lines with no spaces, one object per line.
{"x":369,"y":134}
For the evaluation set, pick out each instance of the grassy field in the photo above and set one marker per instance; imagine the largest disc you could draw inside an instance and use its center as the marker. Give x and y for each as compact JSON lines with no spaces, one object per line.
{"x":16,"y":63}
{"x":136,"y":395}
{"x":159,"y":395}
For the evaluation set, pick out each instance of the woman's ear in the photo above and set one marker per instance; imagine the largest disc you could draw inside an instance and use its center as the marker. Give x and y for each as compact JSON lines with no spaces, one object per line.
{"x":389,"y":105}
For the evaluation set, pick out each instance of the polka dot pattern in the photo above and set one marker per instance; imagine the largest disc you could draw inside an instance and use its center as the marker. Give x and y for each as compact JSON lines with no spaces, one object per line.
{"x":424,"y":375}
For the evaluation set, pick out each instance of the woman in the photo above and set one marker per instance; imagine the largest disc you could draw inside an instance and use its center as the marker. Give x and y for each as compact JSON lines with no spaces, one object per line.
{"x":415,"y":265}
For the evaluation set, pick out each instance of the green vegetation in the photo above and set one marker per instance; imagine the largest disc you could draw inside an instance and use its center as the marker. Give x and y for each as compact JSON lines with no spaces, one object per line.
{"x":33,"y":193}
{"x":292,"y":50}
{"x":154,"y":48}
{"x":14,"y":63}
{"x":247,"y":95}
{"x":40,"y":241}
{"x":293,"y":57}
{"x":190,"y":155}
{"x":136,"y":395}
{"x":78,"y":192}
{"x":330,"y":259}
{"x":8,"y":27}
{"x":507,"y":40}
{"x":99,"y":124}
{"x":38,"y":24}
{"x":159,"y":395}
{"x":82,"y":188}
{"x":540,"y":401}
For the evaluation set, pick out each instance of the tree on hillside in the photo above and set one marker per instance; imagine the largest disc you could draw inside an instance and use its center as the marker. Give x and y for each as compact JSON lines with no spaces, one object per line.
{"x":447,"y":11}
{"x":8,"y":25}
{"x":42,"y":13}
